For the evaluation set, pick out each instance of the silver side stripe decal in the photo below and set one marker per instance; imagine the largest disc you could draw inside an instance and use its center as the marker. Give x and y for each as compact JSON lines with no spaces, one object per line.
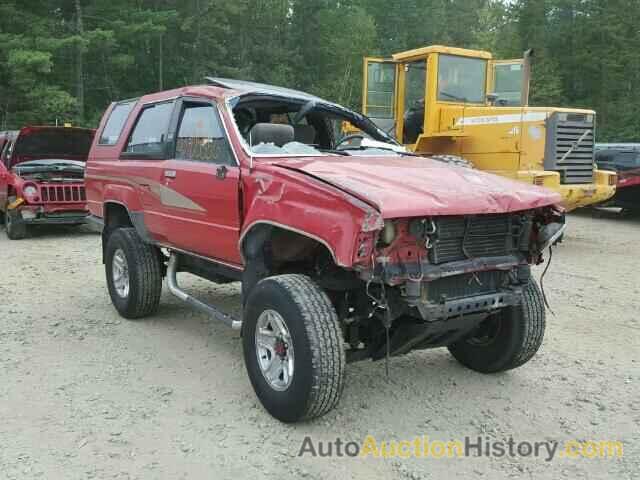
{"x":498,"y":119}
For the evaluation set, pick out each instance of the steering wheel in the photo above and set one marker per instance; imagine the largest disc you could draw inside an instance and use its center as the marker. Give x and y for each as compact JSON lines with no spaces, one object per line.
{"x":348,"y":138}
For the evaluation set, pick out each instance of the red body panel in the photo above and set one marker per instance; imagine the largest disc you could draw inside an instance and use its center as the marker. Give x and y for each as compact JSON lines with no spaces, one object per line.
{"x":629,"y":178}
{"x":211,"y":226}
{"x":339,"y":201}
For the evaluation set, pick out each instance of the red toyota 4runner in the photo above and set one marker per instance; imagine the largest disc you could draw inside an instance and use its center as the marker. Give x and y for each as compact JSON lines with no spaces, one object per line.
{"x":348,"y":248}
{"x":41,"y":177}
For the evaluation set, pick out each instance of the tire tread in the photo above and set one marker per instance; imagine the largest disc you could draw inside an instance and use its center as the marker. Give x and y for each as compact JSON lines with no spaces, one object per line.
{"x":325,"y":339}
{"x":148,"y":281}
{"x":515,"y":350}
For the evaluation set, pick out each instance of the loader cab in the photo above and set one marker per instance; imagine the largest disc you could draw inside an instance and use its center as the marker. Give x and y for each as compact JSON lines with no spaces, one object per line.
{"x":452,"y":102}
{"x":405,"y":94}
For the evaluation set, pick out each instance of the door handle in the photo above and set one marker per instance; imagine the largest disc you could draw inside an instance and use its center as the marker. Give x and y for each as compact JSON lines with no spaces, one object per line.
{"x":170,"y":174}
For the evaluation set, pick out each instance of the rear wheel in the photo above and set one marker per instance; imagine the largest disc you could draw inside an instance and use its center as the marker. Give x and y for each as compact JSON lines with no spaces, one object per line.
{"x":507,"y":339}
{"x":16,"y":230}
{"x":134,"y":274}
{"x":293,"y":348}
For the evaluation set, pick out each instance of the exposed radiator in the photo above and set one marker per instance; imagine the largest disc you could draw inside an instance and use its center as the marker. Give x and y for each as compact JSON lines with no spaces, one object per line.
{"x":460,"y":238}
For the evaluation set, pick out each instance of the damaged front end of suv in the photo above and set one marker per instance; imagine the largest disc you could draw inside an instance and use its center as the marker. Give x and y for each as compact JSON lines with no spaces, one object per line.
{"x":455,"y":281}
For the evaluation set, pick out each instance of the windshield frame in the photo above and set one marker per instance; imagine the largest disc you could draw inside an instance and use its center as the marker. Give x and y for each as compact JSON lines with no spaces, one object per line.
{"x":358,"y":120}
{"x":484,"y":82}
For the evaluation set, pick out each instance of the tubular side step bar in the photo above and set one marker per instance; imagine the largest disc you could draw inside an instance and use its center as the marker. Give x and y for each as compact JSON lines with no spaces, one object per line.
{"x":210,"y":310}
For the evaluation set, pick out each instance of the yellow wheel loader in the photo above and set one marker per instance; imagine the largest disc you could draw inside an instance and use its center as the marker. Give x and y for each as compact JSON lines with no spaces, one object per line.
{"x":453,"y":102}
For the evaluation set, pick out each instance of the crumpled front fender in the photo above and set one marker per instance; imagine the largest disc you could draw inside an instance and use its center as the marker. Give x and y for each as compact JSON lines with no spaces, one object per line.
{"x":312,"y":208}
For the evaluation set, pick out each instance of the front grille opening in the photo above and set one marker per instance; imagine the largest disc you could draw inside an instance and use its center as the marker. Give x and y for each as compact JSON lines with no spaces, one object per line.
{"x":63,"y":194}
{"x":461,"y":238}
{"x":466,"y":285}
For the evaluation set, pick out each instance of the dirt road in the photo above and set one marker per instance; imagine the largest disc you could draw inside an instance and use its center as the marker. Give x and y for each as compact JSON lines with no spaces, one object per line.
{"x":86,"y":394}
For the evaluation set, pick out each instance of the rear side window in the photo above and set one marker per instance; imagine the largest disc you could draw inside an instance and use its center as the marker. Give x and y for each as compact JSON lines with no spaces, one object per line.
{"x":115,"y":123}
{"x":150,"y":132}
{"x":201,"y":136}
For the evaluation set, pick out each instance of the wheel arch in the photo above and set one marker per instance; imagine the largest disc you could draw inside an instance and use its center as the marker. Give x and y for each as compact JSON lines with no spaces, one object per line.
{"x":269,"y":249}
{"x":256,"y":234}
{"x":117,"y":215}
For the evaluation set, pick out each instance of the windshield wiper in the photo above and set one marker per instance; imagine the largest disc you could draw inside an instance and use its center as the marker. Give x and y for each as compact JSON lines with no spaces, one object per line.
{"x":66,"y":164}
{"x":34,"y":165}
{"x":455,"y":97}
{"x":337,"y":152}
{"x":363,"y":148}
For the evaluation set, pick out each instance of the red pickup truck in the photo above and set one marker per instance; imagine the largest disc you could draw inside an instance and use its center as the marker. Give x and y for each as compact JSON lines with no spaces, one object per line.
{"x":42,"y":177}
{"x":347,"y":248}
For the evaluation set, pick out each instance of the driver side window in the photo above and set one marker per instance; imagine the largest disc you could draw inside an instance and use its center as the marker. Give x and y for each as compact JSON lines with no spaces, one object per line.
{"x":201,"y":136}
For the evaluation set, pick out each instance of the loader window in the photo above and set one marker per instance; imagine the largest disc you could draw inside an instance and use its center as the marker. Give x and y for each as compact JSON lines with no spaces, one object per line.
{"x":508,"y":84}
{"x":461,"y":79}
{"x":415,"y":84}
{"x":381,"y":83}
{"x":414,"y":104}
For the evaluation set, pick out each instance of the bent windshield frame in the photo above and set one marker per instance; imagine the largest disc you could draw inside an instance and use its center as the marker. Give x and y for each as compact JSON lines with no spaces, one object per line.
{"x":332,"y":111}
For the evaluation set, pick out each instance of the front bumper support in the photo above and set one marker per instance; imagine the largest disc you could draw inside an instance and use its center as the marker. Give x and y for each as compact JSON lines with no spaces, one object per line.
{"x":487,"y":303}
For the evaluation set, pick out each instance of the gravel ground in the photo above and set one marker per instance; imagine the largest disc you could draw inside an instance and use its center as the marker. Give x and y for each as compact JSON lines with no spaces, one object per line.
{"x":86,"y":394}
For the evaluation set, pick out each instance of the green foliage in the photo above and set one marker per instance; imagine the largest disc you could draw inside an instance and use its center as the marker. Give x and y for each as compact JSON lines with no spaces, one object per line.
{"x":54,"y":68}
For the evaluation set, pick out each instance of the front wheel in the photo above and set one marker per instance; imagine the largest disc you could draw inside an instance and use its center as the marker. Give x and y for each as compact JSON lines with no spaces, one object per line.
{"x":507,"y":339}
{"x":293,"y":348}
{"x":16,"y":230}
